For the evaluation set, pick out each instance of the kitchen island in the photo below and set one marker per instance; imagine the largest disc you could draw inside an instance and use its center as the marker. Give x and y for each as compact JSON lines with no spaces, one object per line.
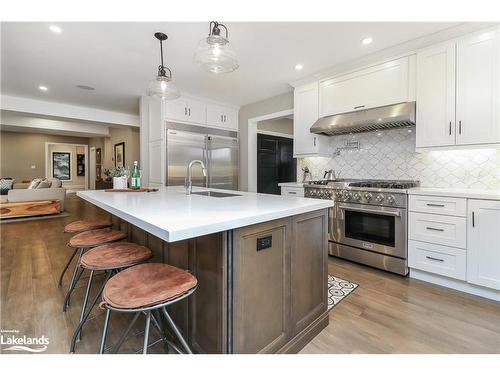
{"x":260,"y":260}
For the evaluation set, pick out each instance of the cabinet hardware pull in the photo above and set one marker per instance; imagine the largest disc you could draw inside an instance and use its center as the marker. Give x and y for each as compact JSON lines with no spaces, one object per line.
{"x":189,"y":111}
{"x":359,"y":106}
{"x":224,"y":118}
{"x":185,"y":111}
{"x":450,"y":127}
{"x":431,"y":258}
{"x":314,"y":141}
{"x":435,"y":205}
{"x":292,"y":192}
{"x":221,"y":118}
{"x":436,"y":229}
{"x":473,"y":220}
{"x":460,"y":127}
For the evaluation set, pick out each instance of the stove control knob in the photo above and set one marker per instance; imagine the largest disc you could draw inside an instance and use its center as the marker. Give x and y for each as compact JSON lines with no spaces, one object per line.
{"x":368,"y":196}
{"x":356,"y":196}
{"x":379,"y":198}
{"x":391,"y":199}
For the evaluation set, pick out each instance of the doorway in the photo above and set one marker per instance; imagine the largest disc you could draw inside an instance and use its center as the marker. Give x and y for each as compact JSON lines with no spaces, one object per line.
{"x":275,"y":163}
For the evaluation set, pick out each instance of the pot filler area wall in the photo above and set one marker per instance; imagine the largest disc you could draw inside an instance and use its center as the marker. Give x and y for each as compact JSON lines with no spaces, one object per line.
{"x":391,"y":154}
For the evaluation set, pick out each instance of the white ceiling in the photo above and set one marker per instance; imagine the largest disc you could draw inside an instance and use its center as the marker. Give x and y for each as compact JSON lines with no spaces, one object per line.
{"x":119,"y":59}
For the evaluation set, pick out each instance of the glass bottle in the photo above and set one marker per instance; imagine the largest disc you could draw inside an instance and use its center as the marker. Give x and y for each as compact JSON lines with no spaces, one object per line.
{"x":136,"y":177}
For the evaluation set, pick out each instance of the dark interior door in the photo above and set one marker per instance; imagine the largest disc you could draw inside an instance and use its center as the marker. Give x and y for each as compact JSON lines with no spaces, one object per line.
{"x":275,"y":163}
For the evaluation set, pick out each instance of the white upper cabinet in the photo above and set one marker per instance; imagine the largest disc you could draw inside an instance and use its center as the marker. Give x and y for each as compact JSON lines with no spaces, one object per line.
{"x":458,"y":87}
{"x":376,"y":86}
{"x":305,"y":114}
{"x":221,"y":116}
{"x":478,"y":83}
{"x":186,"y":110}
{"x":483,"y":250}
{"x":436,"y":96}
{"x":199,"y":112}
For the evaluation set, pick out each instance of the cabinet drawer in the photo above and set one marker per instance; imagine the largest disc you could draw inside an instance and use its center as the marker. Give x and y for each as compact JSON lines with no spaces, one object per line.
{"x":442,"y":260}
{"x":296,"y":192}
{"x":438,"y":205}
{"x":438,"y":229}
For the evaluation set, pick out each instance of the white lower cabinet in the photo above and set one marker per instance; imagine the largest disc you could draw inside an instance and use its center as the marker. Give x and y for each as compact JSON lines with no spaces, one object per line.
{"x":453,"y":250}
{"x":438,"y":229}
{"x":442,"y":260}
{"x":292,"y":191}
{"x":483,"y":250}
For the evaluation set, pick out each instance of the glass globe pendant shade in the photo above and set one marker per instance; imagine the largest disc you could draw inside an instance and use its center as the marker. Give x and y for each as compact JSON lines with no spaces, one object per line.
{"x":216,"y":55}
{"x":162,"y":87}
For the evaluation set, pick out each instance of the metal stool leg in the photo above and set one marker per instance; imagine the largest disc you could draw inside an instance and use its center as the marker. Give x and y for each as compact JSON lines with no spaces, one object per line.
{"x":146,"y":333}
{"x":89,"y":310}
{"x":124,"y":336}
{"x":72,"y":287}
{"x":176,"y":330}
{"x":104,"y":331}
{"x":85,"y":300}
{"x":66,"y":267}
{"x":74,"y":280}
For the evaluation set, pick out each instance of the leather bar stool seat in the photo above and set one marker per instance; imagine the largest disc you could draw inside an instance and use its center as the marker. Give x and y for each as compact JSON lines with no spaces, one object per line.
{"x":96,"y":237}
{"x":147,"y":285}
{"x":85,"y":225}
{"x":115,"y":255}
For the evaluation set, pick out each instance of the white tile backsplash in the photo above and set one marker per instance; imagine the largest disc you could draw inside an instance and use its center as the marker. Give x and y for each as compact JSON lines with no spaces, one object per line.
{"x":391,"y":154}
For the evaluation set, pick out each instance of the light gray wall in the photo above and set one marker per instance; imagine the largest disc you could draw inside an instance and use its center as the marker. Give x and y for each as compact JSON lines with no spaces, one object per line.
{"x":275,"y":104}
{"x":281,"y":125}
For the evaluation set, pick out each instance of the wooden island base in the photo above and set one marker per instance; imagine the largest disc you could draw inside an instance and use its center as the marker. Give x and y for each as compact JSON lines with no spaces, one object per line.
{"x":262,"y":288}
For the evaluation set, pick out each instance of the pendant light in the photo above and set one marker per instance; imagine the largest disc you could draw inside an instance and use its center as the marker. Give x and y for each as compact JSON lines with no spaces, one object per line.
{"x":214,"y":53}
{"x":162,"y":86}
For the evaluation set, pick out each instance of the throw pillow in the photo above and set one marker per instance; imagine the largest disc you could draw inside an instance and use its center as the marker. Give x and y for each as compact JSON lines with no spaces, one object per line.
{"x":5,"y":185}
{"x":44,"y":184}
{"x":56,"y":183}
{"x":34,"y":183}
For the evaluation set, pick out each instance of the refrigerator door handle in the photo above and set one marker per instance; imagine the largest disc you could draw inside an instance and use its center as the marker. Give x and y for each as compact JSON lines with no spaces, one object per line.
{"x":208,"y":141}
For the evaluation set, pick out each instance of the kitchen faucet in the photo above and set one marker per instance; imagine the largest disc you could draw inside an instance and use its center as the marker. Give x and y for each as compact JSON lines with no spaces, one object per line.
{"x":189,"y":184}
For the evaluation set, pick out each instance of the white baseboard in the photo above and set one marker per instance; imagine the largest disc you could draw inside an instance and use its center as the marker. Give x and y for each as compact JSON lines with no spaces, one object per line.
{"x":455,"y":284}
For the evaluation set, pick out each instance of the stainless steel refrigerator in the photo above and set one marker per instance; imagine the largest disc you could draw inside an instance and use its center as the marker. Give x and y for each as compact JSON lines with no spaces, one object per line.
{"x":218,"y":149}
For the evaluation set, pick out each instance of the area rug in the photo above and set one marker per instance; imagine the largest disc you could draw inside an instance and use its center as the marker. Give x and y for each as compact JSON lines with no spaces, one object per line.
{"x":338,"y":289}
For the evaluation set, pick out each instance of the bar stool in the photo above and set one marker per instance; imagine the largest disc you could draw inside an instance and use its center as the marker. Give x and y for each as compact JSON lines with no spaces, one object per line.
{"x":84,"y":241}
{"x":110,"y":258}
{"x":147,"y":288}
{"x":78,"y":227}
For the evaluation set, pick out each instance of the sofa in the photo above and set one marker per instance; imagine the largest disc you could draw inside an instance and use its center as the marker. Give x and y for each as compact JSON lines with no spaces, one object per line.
{"x":38,"y":190}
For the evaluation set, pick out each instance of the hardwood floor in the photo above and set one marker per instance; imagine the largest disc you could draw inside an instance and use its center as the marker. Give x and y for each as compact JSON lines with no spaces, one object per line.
{"x":392,"y":314}
{"x":385,"y":314}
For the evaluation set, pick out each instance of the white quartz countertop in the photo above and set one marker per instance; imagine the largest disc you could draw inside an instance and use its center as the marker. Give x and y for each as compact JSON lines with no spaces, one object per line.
{"x":172,"y":215}
{"x":291,"y":184}
{"x":457,"y":193}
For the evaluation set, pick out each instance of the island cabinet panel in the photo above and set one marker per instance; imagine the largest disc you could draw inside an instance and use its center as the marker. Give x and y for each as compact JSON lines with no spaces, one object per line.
{"x":309,"y":269}
{"x":280,"y":284}
{"x":261,"y":287}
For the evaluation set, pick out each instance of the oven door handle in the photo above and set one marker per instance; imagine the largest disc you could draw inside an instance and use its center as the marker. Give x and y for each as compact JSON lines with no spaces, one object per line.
{"x":367,"y":210}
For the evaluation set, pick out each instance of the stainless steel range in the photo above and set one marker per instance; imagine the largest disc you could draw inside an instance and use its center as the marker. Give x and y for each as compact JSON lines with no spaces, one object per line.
{"x":368,"y":223}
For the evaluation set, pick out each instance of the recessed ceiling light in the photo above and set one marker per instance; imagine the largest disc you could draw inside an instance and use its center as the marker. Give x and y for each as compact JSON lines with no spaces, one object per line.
{"x":299,"y":67}
{"x":55,"y":29}
{"x":85,"y":87}
{"x":43,"y":88}
{"x":367,"y":40}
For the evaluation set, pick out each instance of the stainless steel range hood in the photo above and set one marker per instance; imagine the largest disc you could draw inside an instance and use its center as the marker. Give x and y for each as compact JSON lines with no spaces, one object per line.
{"x":390,"y":116}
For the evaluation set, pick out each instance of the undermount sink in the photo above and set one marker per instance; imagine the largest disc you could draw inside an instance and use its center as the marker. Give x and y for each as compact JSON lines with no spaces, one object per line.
{"x":215,"y":194}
